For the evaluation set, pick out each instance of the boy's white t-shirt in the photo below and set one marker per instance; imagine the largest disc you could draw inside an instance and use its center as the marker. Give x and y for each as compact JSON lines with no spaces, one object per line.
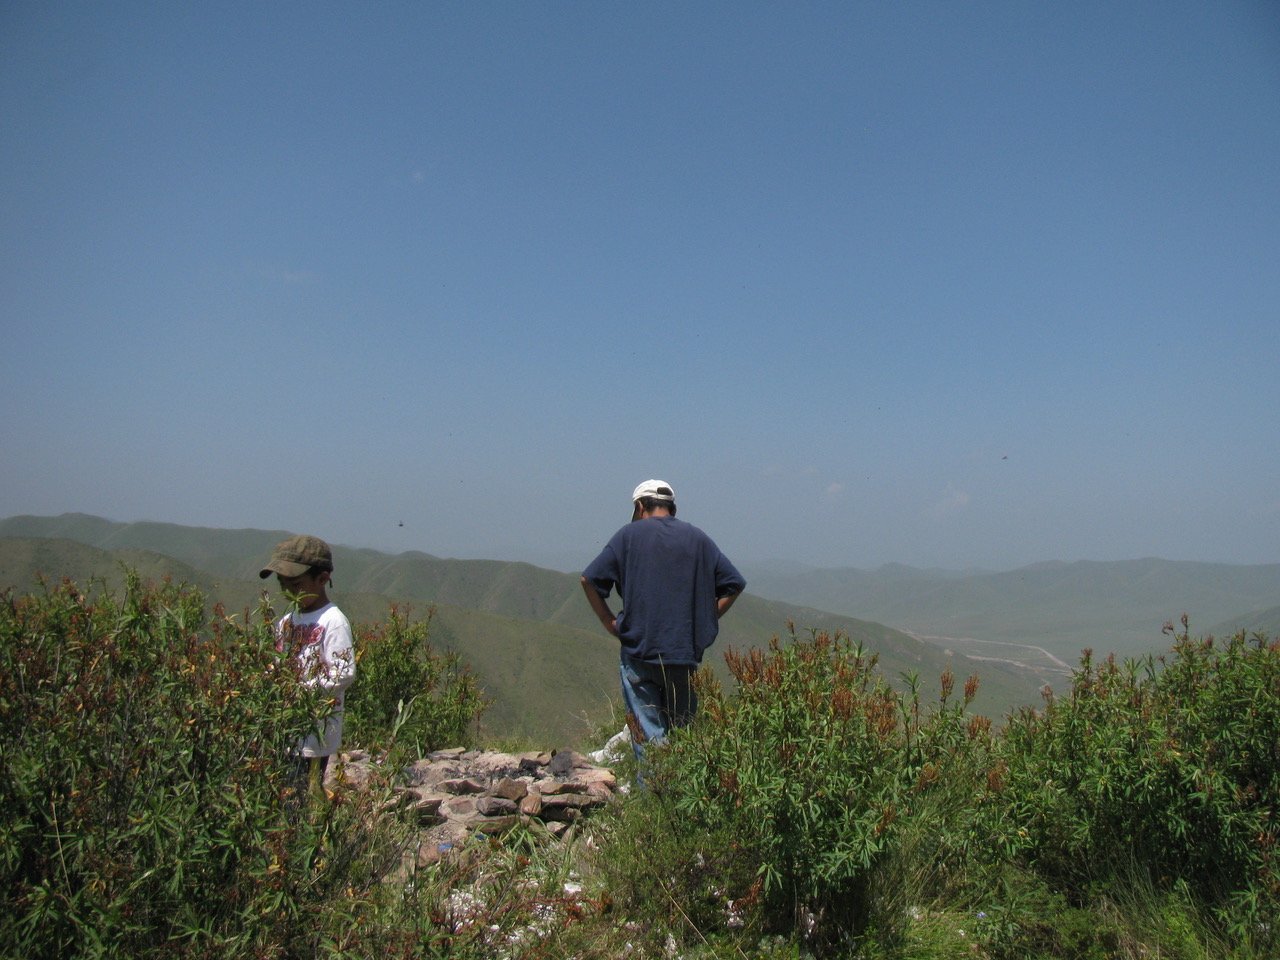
{"x":320,"y":644}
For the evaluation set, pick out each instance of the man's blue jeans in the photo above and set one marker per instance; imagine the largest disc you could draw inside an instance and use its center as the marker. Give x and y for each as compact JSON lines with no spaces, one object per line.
{"x":657,"y":697}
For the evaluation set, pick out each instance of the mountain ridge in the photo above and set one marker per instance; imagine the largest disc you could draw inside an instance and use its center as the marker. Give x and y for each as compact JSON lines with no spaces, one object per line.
{"x":496,"y":614}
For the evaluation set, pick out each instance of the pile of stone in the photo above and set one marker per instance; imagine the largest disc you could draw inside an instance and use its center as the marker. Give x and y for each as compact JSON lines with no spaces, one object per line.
{"x":456,"y":792}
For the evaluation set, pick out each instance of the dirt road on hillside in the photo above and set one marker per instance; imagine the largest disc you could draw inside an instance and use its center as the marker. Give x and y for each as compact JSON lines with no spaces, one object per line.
{"x":964,"y":645}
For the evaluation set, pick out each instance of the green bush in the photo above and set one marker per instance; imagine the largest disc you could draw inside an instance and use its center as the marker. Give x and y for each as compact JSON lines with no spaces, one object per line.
{"x":406,"y":692}
{"x":148,"y":807}
{"x":1133,"y":815}
{"x":788,"y":804}
{"x":812,"y":809}
{"x":1167,"y":767}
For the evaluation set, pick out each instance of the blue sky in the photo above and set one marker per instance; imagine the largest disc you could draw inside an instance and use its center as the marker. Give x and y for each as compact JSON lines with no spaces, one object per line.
{"x":934,"y":283}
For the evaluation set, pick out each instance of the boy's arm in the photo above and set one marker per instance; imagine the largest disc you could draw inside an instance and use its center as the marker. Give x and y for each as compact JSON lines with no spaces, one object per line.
{"x":338,"y":662}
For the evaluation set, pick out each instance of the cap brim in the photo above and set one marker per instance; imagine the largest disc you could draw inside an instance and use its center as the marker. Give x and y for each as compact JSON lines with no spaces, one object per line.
{"x":286,"y":568}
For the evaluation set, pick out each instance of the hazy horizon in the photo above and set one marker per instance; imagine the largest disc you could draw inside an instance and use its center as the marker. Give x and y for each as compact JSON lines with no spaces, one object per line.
{"x":952,"y":286}
{"x":572,"y":563}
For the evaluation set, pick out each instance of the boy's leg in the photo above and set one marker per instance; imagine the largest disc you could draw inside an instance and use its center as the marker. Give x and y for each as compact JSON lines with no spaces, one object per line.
{"x":295,"y":790}
{"x":315,"y":776}
{"x":306,"y":778}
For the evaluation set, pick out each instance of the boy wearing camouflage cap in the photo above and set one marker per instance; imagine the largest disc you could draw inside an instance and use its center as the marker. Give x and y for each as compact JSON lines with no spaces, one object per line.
{"x":317,"y":637}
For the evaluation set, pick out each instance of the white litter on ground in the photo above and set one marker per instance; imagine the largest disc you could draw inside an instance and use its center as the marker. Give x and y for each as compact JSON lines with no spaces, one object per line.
{"x":615,"y":748}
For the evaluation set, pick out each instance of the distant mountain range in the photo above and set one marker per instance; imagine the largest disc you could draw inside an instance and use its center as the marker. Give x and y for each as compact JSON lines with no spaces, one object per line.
{"x":1063,"y":607}
{"x":526,"y":631}
{"x":551,"y":670}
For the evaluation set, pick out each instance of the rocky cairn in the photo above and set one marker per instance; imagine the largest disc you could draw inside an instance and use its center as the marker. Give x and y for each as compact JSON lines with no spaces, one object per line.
{"x":457,"y":792}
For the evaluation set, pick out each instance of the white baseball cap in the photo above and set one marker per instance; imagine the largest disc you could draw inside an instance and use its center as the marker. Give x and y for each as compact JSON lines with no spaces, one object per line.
{"x":658,"y":489}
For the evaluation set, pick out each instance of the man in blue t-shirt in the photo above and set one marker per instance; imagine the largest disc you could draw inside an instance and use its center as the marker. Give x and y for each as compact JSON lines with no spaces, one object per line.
{"x":675,"y":585}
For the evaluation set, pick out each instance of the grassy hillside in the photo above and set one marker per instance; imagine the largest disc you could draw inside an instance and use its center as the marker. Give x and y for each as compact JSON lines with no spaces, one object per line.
{"x":1260,"y":621}
{"x":23,"y":561}
{"x":222,"y":552}
{"x":547,"y":682}
{"x":526,"y":630}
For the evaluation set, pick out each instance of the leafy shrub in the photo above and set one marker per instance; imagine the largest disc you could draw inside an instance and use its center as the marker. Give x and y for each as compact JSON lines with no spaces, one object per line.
{"x":406,"y":691}
{"x":145,"y":784}
{"x":1165,"y":766}
{"x":785,"y":802}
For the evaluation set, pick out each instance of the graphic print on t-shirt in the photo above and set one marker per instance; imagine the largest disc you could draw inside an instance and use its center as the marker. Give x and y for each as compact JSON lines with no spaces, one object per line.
{"x":296,"y":637}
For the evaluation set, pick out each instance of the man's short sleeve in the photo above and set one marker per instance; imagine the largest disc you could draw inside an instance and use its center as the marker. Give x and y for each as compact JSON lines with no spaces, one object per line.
{"x":728,"y":580}
{"x":604,"y":571}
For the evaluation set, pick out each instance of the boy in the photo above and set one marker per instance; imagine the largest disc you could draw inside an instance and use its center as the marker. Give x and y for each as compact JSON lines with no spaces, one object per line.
{"x":317,"y":637}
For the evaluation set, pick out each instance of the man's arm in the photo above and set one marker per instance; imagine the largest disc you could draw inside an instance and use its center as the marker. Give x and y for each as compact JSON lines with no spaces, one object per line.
{"x":729,"y":584}
{"x":724,"y":603}
{"x":600,"y":607}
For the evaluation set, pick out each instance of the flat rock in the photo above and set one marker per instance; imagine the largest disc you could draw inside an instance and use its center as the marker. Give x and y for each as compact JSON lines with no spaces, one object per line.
{"x":458,"y":808}
{"x":510,"y":789}
{"x":493,"y":825}
{"x":448,"y":753}
{"x":462,"y":785}
{"x":495,"y":806}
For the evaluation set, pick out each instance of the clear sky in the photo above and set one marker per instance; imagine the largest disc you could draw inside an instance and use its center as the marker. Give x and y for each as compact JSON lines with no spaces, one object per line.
{"x":947,"y":284}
